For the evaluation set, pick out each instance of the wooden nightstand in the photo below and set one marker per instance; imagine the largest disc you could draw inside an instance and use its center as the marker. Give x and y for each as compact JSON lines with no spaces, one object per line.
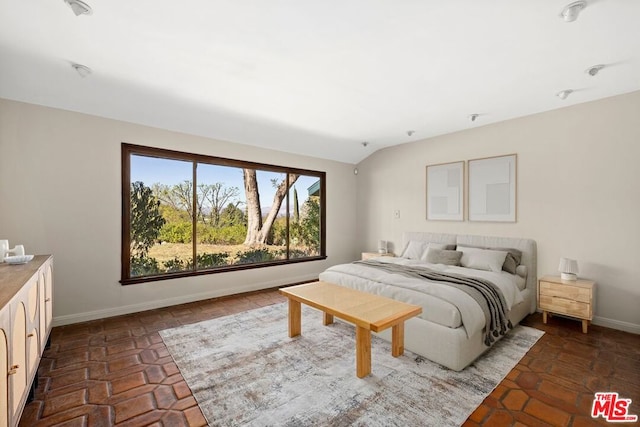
{"x":571,"y":298}
{"x":367,"y":255}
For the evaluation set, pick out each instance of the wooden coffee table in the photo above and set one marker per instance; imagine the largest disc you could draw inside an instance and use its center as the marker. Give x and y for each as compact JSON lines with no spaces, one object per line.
{"x":368,"y":312}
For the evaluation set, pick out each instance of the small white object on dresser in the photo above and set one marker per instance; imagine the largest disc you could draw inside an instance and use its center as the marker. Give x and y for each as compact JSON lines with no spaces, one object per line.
{"x":573,"y":298}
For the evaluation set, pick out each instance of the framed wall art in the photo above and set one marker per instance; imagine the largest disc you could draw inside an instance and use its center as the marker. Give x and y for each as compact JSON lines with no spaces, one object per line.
{"x":445,"y":191}
{"x":492,"y":188}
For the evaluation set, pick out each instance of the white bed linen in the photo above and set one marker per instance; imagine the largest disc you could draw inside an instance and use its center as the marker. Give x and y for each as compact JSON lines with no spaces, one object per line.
{"x":442,"y":304}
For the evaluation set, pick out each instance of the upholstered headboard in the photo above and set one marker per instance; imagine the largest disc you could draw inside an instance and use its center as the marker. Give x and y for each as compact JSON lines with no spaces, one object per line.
{"x":527,"y":246}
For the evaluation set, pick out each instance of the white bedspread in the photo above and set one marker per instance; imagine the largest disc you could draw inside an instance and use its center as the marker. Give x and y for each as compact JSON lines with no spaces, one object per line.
{"x":441,"y":304}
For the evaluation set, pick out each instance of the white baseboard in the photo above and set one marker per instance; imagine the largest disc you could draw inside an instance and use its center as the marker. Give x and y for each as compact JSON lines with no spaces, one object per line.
{"x":616,"y":324}
{"x":135,"y":308}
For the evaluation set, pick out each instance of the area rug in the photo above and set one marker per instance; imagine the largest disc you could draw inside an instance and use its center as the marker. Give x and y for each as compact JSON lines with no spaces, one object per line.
{"x":245,"y":370}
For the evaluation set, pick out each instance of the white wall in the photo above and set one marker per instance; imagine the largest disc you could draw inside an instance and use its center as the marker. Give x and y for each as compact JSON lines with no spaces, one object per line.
{"x":578,"y":194}
{"x":60,"y":193}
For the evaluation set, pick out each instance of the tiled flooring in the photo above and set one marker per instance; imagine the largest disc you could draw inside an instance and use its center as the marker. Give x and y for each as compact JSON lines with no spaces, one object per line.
{"x":118,"y":372}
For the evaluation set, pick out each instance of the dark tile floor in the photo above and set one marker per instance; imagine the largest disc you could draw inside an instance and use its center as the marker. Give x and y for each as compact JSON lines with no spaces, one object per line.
{"x":117,"y":371}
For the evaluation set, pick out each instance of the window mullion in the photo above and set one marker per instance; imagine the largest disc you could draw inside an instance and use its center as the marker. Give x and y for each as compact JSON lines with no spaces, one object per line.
{"x":194,"y":219}
{"x":288,"y":221}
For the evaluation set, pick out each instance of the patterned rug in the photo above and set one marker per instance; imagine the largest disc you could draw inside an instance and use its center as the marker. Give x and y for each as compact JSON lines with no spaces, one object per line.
{"x":245,"y":370}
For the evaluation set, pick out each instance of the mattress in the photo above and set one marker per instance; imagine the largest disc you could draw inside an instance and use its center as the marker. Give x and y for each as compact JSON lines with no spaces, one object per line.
{"x":441,"y":304}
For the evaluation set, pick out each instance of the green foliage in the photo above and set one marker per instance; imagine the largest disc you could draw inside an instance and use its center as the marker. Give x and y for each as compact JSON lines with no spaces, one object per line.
{"x":180,"y":232}
{"x":176,"y":264}
{"x":149,"y":266}
{"x":171,"y":214}
{"x":304,"y":235}
{"x":254,"y":255}
{"x":146,"y":219}
{"x":294,"y":253}
{"x":176,"y":232}
{"x":278,"y":233}
{"x":207,"y":260}
{"x":230,"y":235}
{"x":232,"y":215}
{"x":310,"y":224}
{"x":144,"y":266}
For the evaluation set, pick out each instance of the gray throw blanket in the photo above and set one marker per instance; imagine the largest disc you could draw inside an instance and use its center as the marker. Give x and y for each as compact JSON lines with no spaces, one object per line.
{"x":487,"y":295}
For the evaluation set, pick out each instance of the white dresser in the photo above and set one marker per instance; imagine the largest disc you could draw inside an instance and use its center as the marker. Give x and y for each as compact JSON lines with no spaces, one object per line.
{"x":26,"y":303}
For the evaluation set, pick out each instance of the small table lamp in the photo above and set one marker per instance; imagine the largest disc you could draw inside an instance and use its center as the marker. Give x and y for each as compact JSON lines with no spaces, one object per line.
{"x":568,"y":269}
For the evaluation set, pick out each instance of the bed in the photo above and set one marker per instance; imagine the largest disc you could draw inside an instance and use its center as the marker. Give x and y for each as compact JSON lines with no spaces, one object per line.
{"x":454,"y":328}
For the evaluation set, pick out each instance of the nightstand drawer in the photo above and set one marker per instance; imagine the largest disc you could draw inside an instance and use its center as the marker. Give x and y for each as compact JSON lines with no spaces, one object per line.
{"x":565,"y":291}
{"x":565,"y":306}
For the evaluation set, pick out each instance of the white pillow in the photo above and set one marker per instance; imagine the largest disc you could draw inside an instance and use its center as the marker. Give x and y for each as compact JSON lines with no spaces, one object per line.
{"x":521,"y":271}
{"x":415,"y":249}
{"x":482,"y":259}
{"x":440,"y":246}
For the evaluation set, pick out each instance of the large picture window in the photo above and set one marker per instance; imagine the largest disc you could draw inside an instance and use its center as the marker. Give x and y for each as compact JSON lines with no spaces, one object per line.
{"x":185,"y":214}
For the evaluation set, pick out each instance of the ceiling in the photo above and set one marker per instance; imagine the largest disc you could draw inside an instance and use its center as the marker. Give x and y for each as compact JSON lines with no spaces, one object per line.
{"x":316,"y":77}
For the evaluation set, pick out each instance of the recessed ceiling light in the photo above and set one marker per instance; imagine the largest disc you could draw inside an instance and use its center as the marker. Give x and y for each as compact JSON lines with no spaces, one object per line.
{"x":564,"y":93}
{"x":79,"y":7}
{"x":572,"y":10}
{"x":82,"y":70}
{"x":593,"y":70}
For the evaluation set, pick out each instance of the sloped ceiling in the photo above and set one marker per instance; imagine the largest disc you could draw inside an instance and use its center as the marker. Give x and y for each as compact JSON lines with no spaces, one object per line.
{"x":316,"y":77}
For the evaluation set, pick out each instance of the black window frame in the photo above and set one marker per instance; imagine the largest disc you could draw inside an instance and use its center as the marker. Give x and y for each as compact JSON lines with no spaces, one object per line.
{"x":128,"y":150}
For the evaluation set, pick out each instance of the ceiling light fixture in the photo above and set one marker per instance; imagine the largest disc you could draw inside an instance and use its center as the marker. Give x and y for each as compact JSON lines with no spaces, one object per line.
{"x":82,"y":70}
{"x":365,"y":143}
{"x":592,"y":71}
{"x":473,"y":116}
{"x":572,"y":10}
{"x":79,"y":7}
{"x":564,"y":93}
{"x":411,"y":132}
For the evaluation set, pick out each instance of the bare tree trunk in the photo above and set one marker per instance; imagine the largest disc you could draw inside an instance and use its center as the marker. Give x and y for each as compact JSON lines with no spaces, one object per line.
{"x":281,"y":193}
{"x":257,"y":231}
{"x":254,"y":211}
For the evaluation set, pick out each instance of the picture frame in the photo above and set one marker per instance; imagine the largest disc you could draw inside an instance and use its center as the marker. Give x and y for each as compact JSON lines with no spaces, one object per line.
{"x":492,"y":188}
{"x":445,"y":191}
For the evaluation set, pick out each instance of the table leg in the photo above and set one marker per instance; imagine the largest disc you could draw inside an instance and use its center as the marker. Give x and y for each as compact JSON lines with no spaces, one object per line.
{"x":544,"y":316}
{"x":327,"y":319}
{"x":397,"y":339}
{"x":363,"y":352}
{"x":295,"y":318}
{"x":585,"y":324}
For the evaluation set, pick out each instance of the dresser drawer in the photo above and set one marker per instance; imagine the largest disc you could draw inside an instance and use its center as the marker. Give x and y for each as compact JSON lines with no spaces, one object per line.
{"x":565,"y":306}
{"x":567,"y":291}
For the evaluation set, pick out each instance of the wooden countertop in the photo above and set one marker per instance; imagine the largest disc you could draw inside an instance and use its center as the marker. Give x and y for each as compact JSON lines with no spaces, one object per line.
{"x":13,"y":277}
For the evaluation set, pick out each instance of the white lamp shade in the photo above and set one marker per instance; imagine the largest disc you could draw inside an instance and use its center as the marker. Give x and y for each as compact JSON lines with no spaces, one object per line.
{"x":568,"y":269}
